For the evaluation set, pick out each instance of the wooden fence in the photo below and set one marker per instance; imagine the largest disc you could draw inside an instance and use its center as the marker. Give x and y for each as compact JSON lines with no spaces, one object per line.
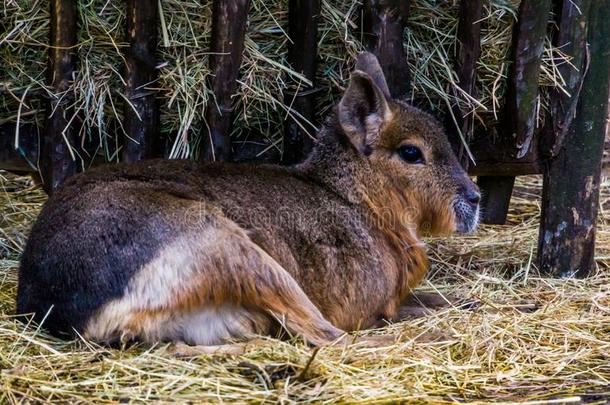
{"x":567,"y":150}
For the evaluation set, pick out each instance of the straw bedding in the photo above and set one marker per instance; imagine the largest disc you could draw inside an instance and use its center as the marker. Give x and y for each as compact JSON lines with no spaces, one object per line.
{"x":522,"y":337}
{"x":260,"y":107}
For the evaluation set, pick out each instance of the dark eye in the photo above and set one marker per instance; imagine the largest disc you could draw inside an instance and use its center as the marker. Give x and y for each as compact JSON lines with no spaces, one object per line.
{"x":411,"y":154}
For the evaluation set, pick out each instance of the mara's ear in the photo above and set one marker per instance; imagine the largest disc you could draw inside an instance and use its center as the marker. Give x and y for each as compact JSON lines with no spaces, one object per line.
{"x":363,"y":112}
{"x":369,"y":64}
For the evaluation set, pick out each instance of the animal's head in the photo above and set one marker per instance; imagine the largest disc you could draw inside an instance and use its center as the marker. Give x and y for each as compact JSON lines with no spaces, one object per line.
{"x":408,"y":154}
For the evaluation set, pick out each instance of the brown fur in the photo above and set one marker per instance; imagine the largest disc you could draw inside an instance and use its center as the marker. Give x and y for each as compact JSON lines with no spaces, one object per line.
{"x":330,"y":245}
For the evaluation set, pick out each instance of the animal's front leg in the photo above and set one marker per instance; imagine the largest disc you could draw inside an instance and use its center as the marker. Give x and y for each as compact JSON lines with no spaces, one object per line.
{"x":420,"y":304}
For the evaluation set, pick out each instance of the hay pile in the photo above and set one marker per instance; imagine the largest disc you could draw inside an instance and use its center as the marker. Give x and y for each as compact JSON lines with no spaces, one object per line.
{"x":527,"y":338}
{"x":259,"y":107}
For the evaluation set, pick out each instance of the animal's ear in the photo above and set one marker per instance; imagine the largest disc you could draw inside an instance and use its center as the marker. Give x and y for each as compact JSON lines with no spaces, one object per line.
{"x":363,"y":112}
{"x":369,"y":64}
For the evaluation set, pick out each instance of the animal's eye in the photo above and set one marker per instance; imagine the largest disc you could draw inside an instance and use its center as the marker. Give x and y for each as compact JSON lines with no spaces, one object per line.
{"x":411,"y":154}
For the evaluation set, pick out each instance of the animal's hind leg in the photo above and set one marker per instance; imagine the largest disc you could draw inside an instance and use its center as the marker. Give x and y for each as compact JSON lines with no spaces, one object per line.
{"x":264,"y":284}
{"x":208,"y":286}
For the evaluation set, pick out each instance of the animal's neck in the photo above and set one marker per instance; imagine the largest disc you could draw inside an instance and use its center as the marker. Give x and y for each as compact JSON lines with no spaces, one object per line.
{"x":336,"y":165}
{"x":341,"y":168}
{"x":395,"y":216}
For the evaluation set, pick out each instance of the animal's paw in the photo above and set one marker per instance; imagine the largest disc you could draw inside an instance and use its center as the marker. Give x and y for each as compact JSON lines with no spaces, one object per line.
{"x":420,"y":304}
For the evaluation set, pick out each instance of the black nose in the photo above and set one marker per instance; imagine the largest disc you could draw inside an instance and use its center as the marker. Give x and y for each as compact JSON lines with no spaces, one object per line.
{"x":473,"y":197}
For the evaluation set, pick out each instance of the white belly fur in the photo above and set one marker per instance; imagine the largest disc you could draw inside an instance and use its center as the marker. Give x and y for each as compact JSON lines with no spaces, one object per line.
{"x":145,"y":311}
{"x":212,"y":326}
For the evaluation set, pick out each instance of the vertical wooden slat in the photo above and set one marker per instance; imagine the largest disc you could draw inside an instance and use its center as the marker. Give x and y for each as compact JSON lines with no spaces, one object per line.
{"x":302,"y":54}
{"x":384,"y":24}
{"x":229,"y":20}
{"x":141,"y":121}
{"x":571,"y":39}
{"x":519,"y":121}
{"x":57,"y":161}
{"x":523,"y":89}
{"x":571,"y":179}
{"x":495,"y":197}
{"x":468,"y":52}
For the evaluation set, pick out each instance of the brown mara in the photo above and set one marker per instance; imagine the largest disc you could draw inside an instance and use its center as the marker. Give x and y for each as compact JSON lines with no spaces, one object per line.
{"x":174,"y":251}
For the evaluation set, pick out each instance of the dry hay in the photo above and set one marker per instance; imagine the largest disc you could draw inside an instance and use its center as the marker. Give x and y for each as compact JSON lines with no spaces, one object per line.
{"x":525,"y":338}
{"x":260,"y":106}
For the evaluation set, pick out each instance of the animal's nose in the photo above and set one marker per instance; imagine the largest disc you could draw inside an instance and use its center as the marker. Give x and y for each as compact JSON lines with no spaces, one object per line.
{"x":473,"y":197}
{"x":469,"y":193}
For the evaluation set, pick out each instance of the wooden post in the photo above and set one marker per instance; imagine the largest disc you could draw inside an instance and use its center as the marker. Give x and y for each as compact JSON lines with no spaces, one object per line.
{"x":302,"y":54}
{"x":229,"y":20}
{"x":492,"y":188}
{"x":523,"y":89}
{"x":571,"y":38}
{"x":519,"y":118}
{"x":141,"y":121}
{"x":468,"y":52}
{"x":384,"y":24}
{"x":57,"y":160}
{"x":571,"y":179}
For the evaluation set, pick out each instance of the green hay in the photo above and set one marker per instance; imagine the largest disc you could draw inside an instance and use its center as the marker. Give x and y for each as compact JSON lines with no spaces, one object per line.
{"x":260,"y":108}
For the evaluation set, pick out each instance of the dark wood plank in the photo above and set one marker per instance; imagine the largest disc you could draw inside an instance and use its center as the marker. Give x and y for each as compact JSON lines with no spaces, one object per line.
{"x":468,"y":52}
{"x":383,"y":28}
{"x":518,"y":125}
{"x":495,"y":209}
{"x":141,"y":118}
{"x":229,"y":19}
{"x":497,"y":168}
{"x":302,"y":55}
{"x":571,"y":38}
{"x":57,"y":162}
{"x":523,"y":90}
{"x":571,"y":179}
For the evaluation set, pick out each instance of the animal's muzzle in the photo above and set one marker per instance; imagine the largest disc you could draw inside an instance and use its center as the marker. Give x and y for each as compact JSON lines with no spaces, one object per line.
{"x":466,"y":207}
